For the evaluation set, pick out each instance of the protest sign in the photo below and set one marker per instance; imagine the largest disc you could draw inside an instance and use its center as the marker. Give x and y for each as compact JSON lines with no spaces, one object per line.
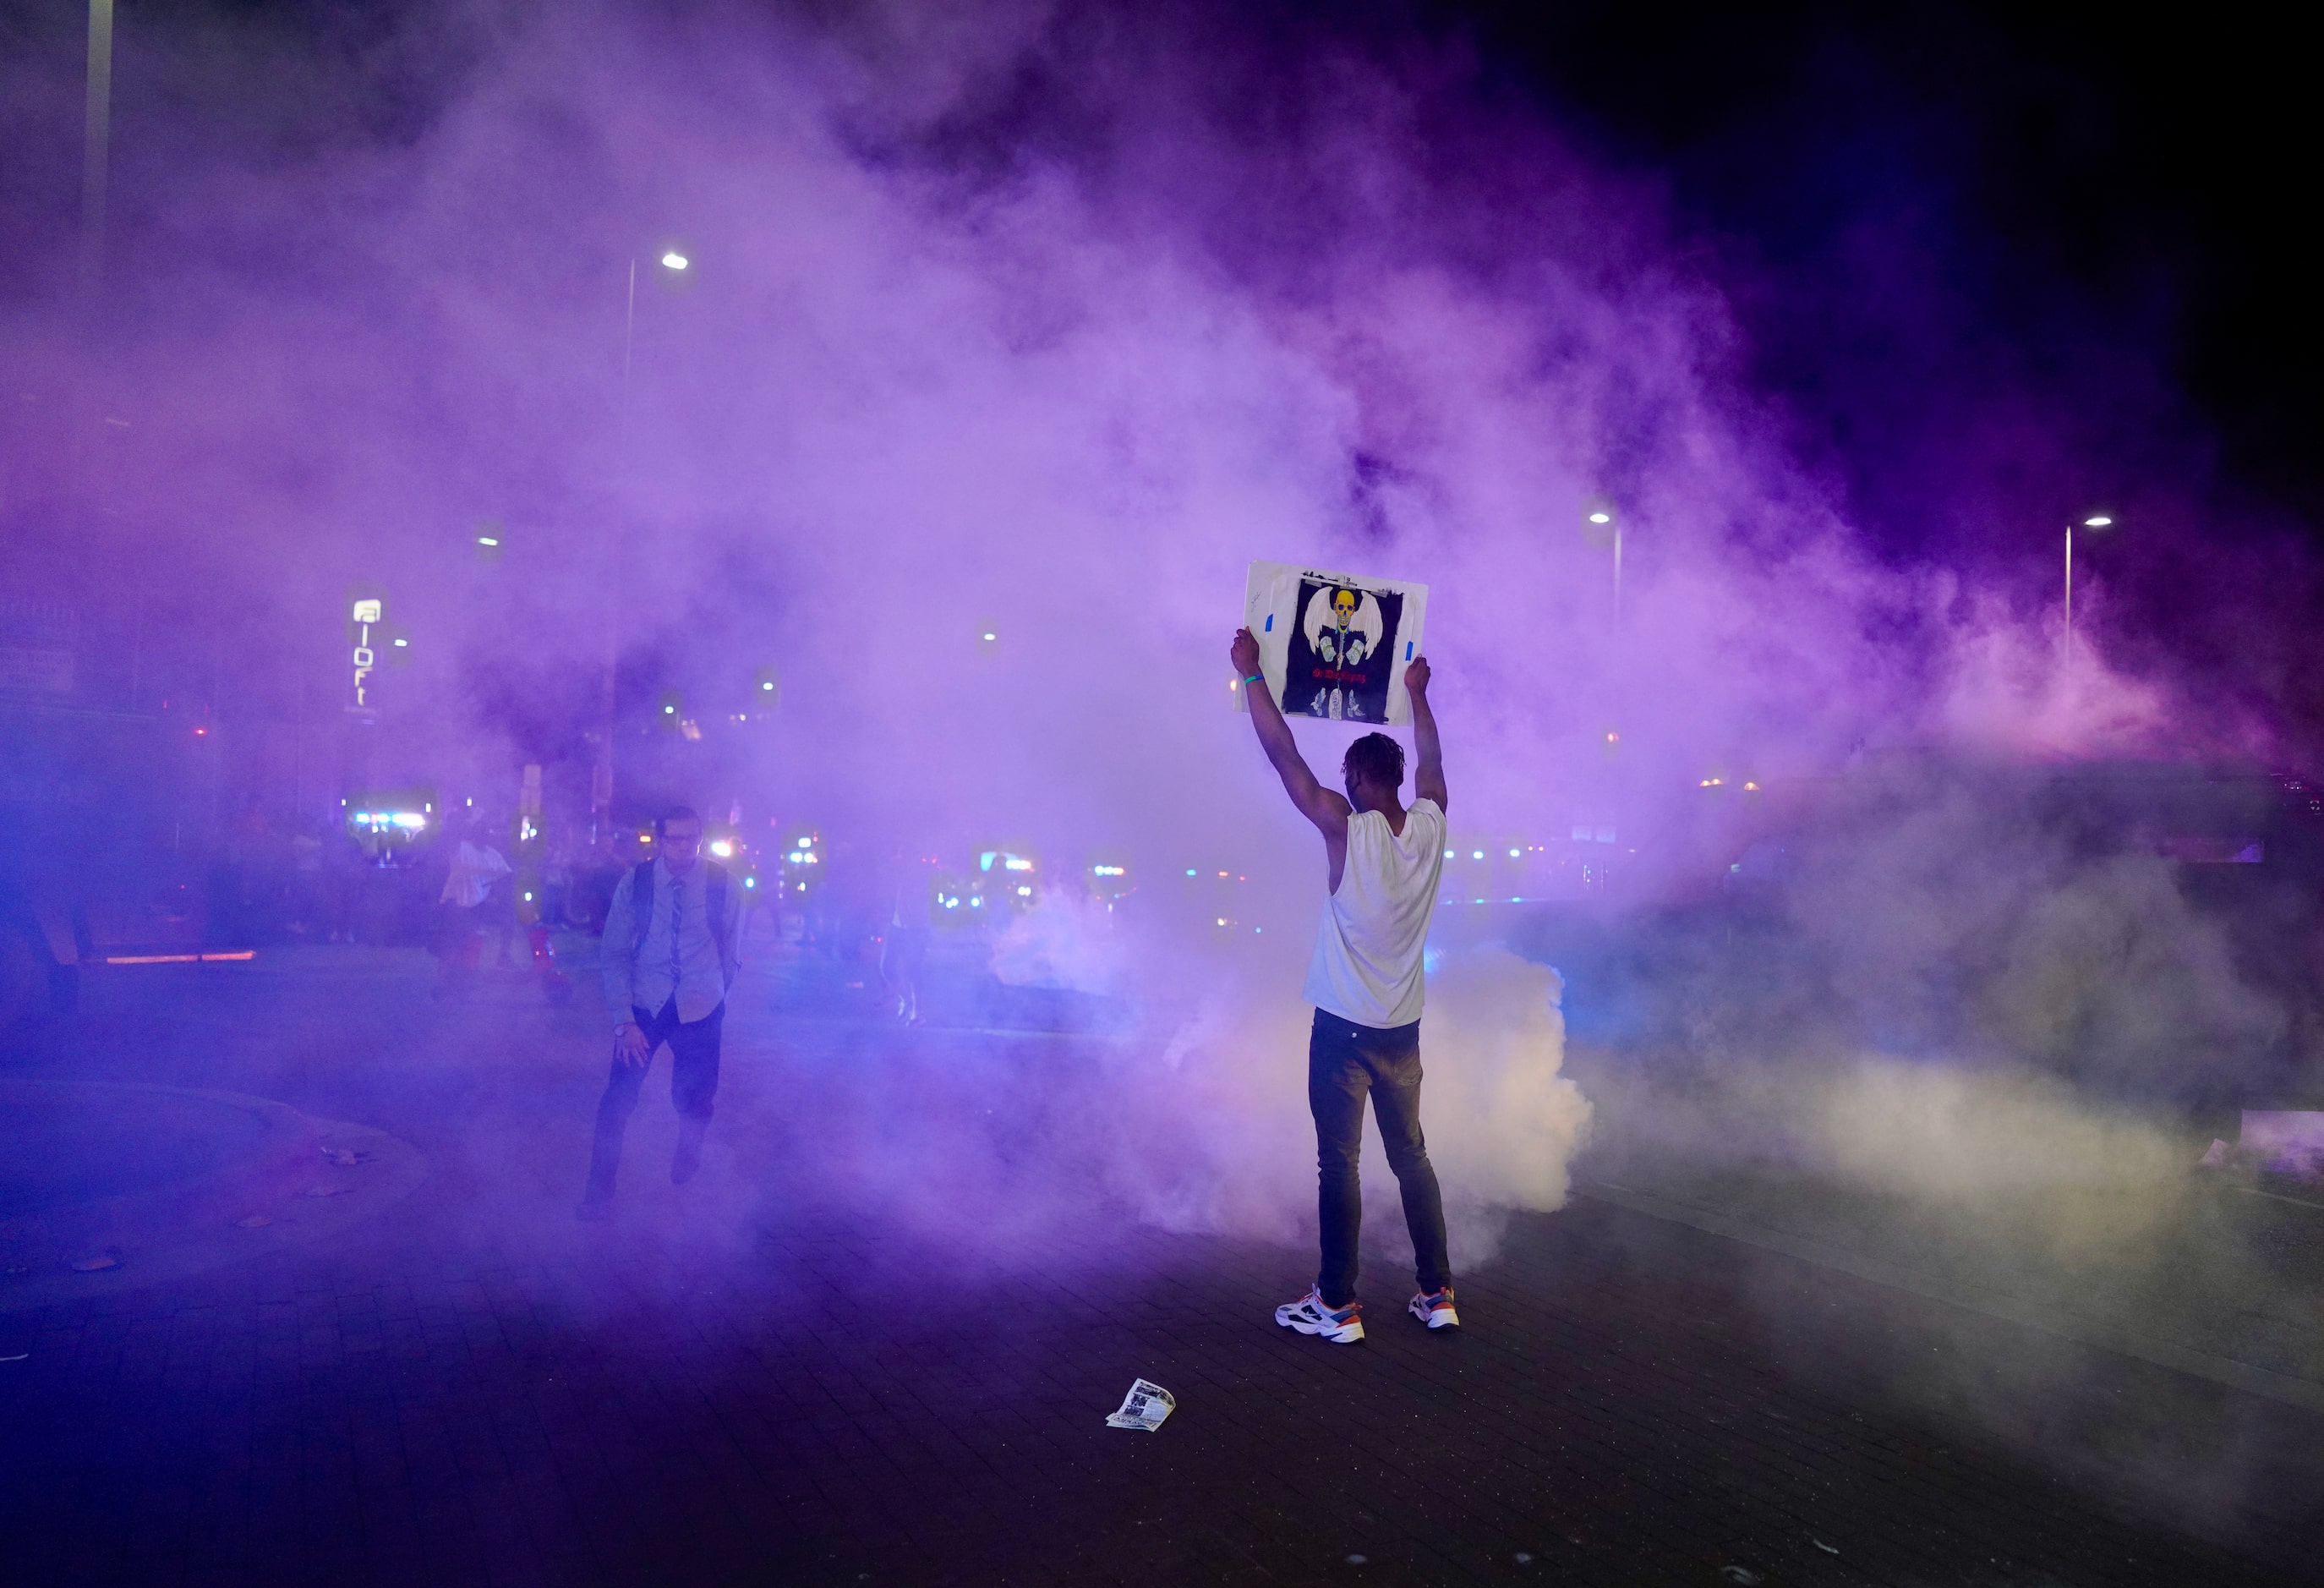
{"x":1335,"y":645}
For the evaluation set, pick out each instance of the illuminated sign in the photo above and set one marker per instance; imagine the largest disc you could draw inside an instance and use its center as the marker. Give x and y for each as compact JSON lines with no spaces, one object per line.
{"x":363,"y":616}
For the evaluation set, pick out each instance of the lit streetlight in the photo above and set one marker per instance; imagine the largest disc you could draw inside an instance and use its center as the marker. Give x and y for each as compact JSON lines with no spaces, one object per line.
{"x":1600,"y":524}
{"x":2096,"y":521}
{"x":675,"y":262}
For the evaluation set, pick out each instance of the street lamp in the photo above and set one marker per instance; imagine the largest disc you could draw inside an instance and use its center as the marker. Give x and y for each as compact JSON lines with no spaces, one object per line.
{"x":2096,"y":521}
{"x":1601,"y":525}
{"x":676,"y":261}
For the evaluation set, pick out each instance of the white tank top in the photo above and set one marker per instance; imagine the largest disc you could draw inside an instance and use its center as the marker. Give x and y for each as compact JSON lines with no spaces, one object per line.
{"x":1367,"y":951}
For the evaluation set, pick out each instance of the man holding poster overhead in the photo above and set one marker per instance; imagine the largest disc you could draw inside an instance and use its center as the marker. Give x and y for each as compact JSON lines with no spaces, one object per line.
{"x":1365,"y":982}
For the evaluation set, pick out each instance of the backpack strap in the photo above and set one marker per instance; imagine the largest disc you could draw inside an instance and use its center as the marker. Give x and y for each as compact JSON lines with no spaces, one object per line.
{"x":642,"y":895}
{"x":642,"y":898}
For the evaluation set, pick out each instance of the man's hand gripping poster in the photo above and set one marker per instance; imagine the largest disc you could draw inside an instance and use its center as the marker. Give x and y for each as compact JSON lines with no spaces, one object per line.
{"x":1335,"y":645}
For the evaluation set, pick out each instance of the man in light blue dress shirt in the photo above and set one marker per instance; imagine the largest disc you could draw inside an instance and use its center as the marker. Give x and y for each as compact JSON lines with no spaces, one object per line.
{"x":669,"y":956}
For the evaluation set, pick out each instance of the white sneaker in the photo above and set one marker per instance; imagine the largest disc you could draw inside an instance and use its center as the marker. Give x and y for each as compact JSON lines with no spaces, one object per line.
{"x":1435,"y":1309}
{"x":1343,"y":1326}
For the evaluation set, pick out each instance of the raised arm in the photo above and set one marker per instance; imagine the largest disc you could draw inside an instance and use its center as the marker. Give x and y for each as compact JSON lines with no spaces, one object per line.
{"x":1328,"y":810}
{"x":1428,"y":776}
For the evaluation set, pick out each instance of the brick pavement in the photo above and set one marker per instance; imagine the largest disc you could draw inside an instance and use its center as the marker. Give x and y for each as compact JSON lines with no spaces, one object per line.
{"x":814,"y":1393}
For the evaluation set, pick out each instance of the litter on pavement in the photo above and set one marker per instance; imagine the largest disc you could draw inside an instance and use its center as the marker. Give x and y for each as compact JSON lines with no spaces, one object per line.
{"x":1143,"y":1406}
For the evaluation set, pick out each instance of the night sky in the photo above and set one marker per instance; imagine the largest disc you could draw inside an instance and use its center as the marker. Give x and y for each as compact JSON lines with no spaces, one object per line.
{"x":2083,"y":181}
{"x":2096,"y":212}
{"x":1994,"y":266}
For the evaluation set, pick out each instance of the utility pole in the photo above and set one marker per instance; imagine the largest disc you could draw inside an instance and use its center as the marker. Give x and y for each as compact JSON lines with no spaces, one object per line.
{"x":2096,"y":521}
{"x":675,"y":263}
{"x":601,"y":772}
{"x":1618,"y":573}
{"x":2070,"y":598}
{"x":96,"y":140}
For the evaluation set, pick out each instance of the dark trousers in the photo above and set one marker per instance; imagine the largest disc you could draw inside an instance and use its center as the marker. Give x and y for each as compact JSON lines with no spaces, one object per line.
{"x":693,"y":1082}
{"x":1346,"y":1061}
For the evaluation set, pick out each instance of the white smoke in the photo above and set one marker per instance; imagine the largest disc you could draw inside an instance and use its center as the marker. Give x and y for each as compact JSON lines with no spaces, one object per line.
{"x":1222,"y":1140}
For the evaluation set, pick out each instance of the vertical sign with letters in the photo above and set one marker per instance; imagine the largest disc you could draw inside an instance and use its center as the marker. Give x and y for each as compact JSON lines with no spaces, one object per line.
{"x":362,"y":619}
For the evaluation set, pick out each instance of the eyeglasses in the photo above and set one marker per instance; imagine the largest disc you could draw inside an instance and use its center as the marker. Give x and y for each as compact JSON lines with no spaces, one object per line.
{"x":682,"y":840}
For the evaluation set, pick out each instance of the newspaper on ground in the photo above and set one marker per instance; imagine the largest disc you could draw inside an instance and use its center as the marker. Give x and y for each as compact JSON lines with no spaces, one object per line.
{"x":1143,"y":1406}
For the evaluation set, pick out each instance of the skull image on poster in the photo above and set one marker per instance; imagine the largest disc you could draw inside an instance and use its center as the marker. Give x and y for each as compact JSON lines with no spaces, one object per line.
{"x":1331,"y":644}
{"x":1340,"y":661}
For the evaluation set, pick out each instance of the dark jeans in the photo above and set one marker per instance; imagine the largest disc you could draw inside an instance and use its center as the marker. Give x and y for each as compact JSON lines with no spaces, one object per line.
{"x":1344,"y":1062}
{"x":693,"y":1082}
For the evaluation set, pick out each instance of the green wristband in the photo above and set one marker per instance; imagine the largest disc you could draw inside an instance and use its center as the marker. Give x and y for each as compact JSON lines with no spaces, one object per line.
{"x":1256,"y":679}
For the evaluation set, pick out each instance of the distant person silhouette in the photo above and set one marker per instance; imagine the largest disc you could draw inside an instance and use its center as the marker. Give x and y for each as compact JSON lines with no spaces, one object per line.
{"x":903,"y":939}
{"x":669,"y":956}
{"x":1366,"y":983}
{"x":467,"y":905}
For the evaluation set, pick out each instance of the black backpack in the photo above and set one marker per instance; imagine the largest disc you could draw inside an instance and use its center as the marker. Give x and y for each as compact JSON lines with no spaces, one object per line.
{"x":714,"y":883}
